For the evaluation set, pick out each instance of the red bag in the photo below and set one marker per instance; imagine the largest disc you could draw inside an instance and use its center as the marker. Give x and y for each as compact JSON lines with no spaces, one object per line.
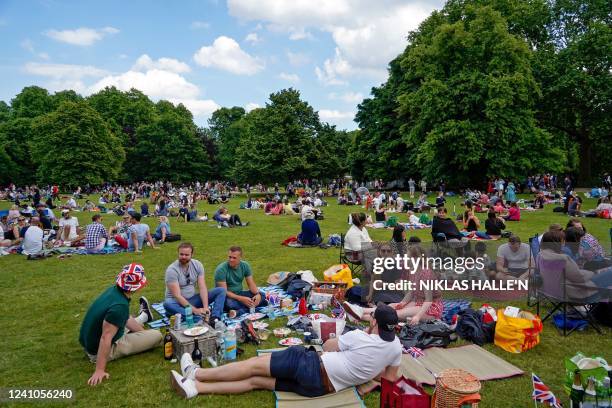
{"x":403,"y":393}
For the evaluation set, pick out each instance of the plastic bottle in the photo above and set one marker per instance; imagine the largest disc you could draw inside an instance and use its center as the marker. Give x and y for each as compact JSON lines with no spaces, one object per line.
{"x":229,"y":339}
{"x":220,"y":329}
{"x":189,"y":316}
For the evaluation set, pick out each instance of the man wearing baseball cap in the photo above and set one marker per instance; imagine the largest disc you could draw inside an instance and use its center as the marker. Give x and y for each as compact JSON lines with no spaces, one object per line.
{"x":108,"y":332}
{"x":352,"y":359}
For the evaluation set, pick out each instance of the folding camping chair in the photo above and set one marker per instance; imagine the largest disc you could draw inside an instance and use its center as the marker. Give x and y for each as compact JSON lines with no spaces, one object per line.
{"x":534,"y":273}
{"x":352,"y":258}
{"x":554,"y":291}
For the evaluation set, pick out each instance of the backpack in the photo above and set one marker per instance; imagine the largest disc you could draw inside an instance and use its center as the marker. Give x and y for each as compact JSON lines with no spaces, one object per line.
{"x":425,"y":335}
{"x":470,"y":327}
{"x":173,"y":237}
{"x":298,"y":288}
{"x":334,"y":240}
{"x":391,"y":221}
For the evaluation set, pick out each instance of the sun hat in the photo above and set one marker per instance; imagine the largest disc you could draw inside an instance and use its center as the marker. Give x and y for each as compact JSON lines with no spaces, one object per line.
{"x":132,"y":277}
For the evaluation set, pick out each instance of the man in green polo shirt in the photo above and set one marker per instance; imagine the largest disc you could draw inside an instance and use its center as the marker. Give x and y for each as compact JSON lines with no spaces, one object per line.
{"x":103,"y":333}
{"x":230,"y":275}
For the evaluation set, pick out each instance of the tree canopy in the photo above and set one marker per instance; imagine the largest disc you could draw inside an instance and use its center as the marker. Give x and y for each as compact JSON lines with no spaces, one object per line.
{"x":483,"y":88}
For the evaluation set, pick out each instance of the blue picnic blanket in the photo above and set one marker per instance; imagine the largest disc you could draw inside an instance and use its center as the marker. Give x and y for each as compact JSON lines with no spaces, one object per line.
{"x":453,"y":307}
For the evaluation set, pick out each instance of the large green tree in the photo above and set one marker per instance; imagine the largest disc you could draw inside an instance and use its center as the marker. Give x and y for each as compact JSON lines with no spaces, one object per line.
{"x":74,"y":146}
{"x":472,"y":115}
{"x":278,"y":142}
{"x":227,"y":134}
{"x":576,"y":78}
{"x":168,"y":149}
{"x":15,"y":139}
{"x":31,"y":102}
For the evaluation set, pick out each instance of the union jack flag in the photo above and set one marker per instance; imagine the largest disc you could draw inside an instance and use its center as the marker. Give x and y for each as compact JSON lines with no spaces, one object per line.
{"x":415,"y":352}
{"x":541,"y":393}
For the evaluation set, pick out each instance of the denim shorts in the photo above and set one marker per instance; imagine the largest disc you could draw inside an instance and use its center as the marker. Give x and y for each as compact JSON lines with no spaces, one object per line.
{"x":298,"y":370}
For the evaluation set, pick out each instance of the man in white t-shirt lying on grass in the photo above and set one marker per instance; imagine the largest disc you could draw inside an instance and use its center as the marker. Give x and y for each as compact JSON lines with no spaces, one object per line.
{"x":349,"y":360}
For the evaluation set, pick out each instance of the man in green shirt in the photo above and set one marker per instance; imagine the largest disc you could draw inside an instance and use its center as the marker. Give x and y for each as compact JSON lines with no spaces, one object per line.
{"x":103,"y":334}
{"x":230,"y":274}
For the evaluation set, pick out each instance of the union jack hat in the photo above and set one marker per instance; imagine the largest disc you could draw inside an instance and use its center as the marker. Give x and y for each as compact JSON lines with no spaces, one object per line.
{"x":132,"y":277}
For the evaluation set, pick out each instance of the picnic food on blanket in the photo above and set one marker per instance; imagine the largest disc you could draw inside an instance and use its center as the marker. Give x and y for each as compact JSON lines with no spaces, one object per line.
{"x":256,"y":316}
{"x":195,"y":331}
{"x":281,"y":332}
{"x":260,"y":325}
{"x":263,"y":334}
{"x":290,"y":341}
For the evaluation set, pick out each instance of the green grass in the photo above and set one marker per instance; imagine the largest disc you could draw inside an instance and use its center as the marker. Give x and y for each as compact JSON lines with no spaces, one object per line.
{"x":44,"y":302}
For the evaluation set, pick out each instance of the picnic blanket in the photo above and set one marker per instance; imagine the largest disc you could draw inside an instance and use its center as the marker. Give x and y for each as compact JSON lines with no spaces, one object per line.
{"x":453,"y":307}
{"x":347,"y":398}
{"x":472,"y":358}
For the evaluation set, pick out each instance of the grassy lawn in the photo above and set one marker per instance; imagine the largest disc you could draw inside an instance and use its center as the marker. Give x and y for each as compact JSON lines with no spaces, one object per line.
{"x":44,"y":303}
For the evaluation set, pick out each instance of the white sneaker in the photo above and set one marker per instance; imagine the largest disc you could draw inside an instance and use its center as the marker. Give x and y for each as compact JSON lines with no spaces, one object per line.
{"x":183,"y":386}
{"x":354,"y":311}
{"x":188,"y":367}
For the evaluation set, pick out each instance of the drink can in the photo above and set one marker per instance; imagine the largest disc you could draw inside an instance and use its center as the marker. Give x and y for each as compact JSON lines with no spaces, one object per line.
{"x":307,"y":337}
{"x":172,"y":320}
{"x":177,"y":321}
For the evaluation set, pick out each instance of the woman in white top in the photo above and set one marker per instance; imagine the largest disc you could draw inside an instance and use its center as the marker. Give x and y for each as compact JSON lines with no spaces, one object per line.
{"x":357,"y":233}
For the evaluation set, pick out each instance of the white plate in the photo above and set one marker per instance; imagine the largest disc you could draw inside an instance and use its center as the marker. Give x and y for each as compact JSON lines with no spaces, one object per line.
{"x":260,"y":325}
{"x":195,"y":331}
{"x":290,"y":341}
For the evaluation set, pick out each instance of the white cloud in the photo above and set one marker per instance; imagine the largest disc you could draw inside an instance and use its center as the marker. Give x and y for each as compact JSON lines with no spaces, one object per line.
{"x":43,"y":55}
{"x":81,"y":36}
{"x":348,"y":97}
{"x":155,"y":83}
{"x":252,"y":38}
{"x":300,"y":34}
{"x":334,"y":69}
{"x":64,"y":76}
{"x":289,"y":77}
{"x":297,"y":59}
{"x":145,"y":63}
{"x":226,"y":54}
{"x":333,"y":115}
{"x":198,"y":25}
{"x":63,"y":71}
{"x":198,"y":107}
{"x":366,"y":37}
{"x":27,"y":45}
{"x":251,"y":105}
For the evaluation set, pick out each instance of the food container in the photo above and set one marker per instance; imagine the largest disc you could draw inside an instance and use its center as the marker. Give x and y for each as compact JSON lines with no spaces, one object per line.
{"x":282,"y":332}
{"x":263,"y":334}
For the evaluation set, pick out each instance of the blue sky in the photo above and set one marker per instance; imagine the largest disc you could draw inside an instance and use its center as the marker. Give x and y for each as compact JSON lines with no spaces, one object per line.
{"x":206,"y":53}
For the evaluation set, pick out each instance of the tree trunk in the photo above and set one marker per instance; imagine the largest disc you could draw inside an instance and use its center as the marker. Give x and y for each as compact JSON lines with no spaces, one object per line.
{"x":586,"y":160}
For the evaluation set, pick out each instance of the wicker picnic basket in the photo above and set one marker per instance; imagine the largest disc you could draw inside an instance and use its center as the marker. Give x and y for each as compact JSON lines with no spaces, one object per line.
{"x":337,"y":289}
{"x":455,"y":388}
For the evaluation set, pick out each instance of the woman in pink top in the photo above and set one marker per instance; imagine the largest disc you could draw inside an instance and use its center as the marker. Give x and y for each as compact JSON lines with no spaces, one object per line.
{"x":514,"y":213}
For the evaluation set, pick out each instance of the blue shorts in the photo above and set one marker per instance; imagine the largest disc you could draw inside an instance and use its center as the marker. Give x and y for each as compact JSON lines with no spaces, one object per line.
{"x":297,"y":370}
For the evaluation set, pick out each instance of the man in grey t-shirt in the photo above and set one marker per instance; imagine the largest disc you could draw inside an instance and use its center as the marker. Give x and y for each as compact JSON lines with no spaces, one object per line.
{"x":181,"y":278}
{"x":514,"y":258}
